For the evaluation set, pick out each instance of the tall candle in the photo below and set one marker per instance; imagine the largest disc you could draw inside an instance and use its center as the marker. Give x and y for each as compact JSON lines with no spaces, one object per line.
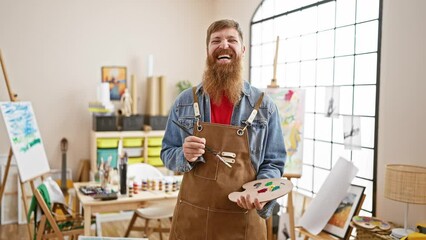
{"x":150,"y":65}
{"x":134,"y":95}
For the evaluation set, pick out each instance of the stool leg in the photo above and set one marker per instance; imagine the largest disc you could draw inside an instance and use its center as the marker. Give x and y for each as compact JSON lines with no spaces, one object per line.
{"x":132,"y":222}
{"x":160,"y":229}
{"x":147,"y":233}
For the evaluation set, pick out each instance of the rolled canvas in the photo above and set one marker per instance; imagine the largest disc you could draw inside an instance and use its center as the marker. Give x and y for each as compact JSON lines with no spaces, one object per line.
{"x":134,"y":95}
{"x":153,"y":92}
{"x":329,"y":196}
{"x":162,"y":96}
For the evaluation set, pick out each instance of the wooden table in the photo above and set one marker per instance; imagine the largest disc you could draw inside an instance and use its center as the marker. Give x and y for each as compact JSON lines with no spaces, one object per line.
{"x":139,"y":200}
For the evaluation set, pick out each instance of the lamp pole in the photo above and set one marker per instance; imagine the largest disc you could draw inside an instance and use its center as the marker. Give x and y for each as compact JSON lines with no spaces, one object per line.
{"x":406,"y":217}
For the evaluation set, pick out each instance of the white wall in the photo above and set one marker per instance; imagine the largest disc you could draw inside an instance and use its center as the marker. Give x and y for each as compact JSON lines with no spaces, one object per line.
{"x":402,"y":131}
{"x":54,"y":50}
{"x":242,"y":11}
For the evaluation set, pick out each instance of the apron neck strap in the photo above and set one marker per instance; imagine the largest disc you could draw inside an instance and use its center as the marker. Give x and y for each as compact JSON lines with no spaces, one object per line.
{"x":196,"y":108}
{"x":252,"y":115}
{"x":255,"y":110}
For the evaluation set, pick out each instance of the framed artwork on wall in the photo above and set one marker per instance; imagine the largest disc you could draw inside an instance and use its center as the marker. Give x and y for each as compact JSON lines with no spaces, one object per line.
{"x":117,"y":79}
{"x":338,"y":225}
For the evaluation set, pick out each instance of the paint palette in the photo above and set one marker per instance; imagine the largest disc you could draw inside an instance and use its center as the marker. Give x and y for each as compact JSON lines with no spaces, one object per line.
{"x":264,"y":189}
{"x":370,"y":223}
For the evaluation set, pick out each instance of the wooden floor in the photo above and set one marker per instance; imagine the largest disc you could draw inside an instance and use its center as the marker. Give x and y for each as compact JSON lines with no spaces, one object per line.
{"x":110,"y":229}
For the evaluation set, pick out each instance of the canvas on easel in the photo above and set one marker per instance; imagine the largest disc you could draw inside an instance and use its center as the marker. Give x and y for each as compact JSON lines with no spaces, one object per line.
{"x":25,"y":139}
{"x":291,"y":106}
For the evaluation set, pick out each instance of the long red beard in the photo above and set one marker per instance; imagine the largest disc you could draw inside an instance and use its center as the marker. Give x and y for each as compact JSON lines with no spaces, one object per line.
{"x":225,"y":79}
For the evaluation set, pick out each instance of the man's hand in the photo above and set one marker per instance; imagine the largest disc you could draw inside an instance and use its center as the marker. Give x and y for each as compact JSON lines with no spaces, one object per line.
{"x":247,"y":203}
{"x":193,"y":147}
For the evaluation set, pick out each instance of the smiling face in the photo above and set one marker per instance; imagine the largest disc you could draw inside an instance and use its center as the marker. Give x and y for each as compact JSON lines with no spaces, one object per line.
{"x":225,"y":46}
{"x":225,"y":51}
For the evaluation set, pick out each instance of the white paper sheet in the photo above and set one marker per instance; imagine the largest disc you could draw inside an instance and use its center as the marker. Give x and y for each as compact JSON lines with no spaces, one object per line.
{"x":352,"y":132}
{"x":329,"y":196}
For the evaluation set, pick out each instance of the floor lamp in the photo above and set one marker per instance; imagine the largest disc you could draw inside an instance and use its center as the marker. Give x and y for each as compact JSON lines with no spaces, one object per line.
{"x":405,"y":183}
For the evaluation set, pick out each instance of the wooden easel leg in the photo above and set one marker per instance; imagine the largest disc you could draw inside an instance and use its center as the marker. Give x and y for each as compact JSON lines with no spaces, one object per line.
{"x":24,"y":200}
{"x":41,"y":227}
{"x":6,"y":173}
{"x":269,"y":228}
{"x":290,"y":209}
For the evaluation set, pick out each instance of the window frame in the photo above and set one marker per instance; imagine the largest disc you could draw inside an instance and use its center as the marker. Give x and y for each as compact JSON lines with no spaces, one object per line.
{"x":354,"y":54}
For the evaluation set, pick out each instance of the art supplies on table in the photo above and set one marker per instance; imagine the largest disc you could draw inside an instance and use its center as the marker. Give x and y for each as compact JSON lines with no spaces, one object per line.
{"x":371,"y":226}
{"x":98,"y":192}
{"x":123,"y":174}
{"x":264,"y":189}
{"x":371,"y":223}
{"x":106,"y":196}
{"x":91,"y":190}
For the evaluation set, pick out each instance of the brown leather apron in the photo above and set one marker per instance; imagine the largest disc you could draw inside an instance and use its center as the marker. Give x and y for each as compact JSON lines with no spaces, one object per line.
{"x":203,"y":210}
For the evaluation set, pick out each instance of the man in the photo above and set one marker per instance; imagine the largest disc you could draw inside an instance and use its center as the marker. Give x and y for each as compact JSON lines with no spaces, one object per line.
{"x":236,"y":138}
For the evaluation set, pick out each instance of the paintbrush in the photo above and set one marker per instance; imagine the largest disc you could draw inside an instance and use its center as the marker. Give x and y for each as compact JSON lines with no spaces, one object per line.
{"x":207,"y":147}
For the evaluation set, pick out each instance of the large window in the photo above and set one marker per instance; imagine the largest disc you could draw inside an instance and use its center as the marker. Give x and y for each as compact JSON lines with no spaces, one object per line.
{"x":323,"y":45}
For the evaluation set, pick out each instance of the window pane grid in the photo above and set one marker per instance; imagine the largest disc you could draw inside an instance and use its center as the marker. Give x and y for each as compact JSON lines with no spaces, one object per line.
{"x":324,"y":44}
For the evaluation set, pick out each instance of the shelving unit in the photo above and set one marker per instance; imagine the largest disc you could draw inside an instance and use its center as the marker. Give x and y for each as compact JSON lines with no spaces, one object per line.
{"x":95,"y":135}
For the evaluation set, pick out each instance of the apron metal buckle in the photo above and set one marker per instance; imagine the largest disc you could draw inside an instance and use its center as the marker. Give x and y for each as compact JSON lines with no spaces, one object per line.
{"x":199,"y":127}
{"x":240,"y":132}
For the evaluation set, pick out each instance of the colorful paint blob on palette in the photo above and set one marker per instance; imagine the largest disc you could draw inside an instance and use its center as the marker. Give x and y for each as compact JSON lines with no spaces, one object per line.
{"x":268,"y":186}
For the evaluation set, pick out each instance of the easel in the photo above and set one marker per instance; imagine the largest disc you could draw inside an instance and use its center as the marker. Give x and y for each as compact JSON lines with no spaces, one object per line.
{"x":274,"y":78}
{"x":289,"y":176}
{"x":290,"y":205}
{"x":12,"y":98}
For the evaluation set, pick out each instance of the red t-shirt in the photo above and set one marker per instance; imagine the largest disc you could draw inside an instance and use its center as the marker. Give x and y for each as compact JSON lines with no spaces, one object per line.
{"x":222,"y":113}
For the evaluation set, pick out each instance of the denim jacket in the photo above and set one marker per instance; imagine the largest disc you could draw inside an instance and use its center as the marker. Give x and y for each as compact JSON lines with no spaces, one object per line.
{"x":267,"y":152}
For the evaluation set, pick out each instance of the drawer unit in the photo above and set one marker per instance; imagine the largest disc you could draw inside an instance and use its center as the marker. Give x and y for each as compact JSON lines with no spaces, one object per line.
{"x":140,"y":146}
{"x":132,"y":142}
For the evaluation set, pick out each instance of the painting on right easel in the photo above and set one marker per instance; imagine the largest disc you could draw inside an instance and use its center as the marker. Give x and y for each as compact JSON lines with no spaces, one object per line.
{"x":291,"y":104}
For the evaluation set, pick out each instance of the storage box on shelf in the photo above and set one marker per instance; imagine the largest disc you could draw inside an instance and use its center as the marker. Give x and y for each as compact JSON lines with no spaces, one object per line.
{"x":154,"y":149}
{"x":132,"y":123}
{"x":156,"y":122}
{"x":106,"y":151}
{"x":134,"y":149}
{"x":134,"y":142}
{"x":104,"y":122}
